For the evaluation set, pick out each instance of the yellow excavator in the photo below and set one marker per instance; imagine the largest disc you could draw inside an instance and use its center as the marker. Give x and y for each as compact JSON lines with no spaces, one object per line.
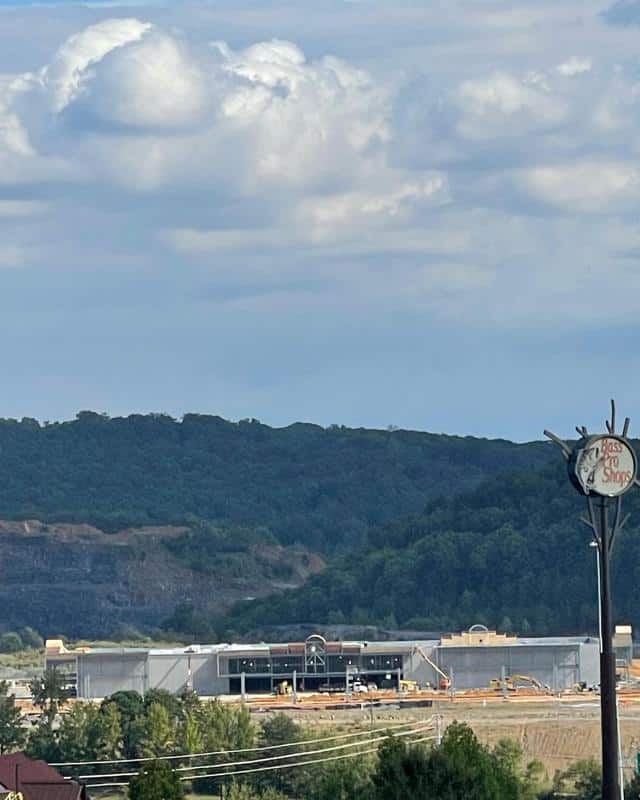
{"x":513,"y":682}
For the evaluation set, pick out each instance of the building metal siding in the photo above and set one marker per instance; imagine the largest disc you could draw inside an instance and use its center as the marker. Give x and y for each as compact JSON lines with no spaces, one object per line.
{"x":103,"y":674}
{"x":558,"y":663}
{"x":558,"y":666}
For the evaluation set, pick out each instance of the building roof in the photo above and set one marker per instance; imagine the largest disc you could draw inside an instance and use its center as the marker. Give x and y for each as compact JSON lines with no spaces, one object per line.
{"x":468,"y":639}
{"x":36,"y":779}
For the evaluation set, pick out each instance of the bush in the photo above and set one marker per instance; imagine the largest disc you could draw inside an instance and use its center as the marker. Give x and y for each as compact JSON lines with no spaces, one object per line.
{"x":10,"y":643}
{"x":31,"y":638}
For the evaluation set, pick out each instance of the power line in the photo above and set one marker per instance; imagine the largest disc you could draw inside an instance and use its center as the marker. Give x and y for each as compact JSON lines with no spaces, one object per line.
{"x":297,"y":764}
{"x":417,"y":729}
{"x":269,"y":768}
{"x":225,"y":752}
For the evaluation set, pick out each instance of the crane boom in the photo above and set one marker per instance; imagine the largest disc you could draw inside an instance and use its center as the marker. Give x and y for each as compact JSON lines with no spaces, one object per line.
{"x":432,"y":663}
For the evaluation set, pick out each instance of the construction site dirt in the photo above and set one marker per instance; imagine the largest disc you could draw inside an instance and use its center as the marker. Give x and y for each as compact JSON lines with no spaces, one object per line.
{"x":555,"y":730}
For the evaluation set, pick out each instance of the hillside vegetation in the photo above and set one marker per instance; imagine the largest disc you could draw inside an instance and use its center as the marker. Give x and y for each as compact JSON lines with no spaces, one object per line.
{"x":510,"y":553}
{"x":419,"y":530}
{"x":321,"y":487}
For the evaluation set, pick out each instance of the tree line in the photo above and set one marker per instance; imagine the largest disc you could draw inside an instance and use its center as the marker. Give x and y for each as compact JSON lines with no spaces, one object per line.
{"x":128,"y":726}
{"x":322,"y":487}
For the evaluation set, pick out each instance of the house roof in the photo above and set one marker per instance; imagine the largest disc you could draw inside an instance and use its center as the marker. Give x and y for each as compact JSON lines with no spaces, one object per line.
{"x":67,"y":790}
{"x":36,"y":779}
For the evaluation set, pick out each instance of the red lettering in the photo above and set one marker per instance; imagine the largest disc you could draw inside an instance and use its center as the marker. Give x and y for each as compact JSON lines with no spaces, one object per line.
{"x":611,"y":475}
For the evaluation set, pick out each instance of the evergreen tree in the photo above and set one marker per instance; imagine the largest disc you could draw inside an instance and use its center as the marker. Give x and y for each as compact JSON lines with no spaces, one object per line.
{"x":155,"y":732}
{"x":156,"y":781}
{"x":77,"y":734}
{"x":49,"y":692}
{"x":109,"y":743}
{"x":130,"y":707}
{"x":12,"y":734}
{"x":42,"y":743}
{"x":189,"y":738}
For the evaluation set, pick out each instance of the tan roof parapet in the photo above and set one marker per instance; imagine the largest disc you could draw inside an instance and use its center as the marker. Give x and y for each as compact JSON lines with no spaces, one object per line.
{"x":478,"y":636}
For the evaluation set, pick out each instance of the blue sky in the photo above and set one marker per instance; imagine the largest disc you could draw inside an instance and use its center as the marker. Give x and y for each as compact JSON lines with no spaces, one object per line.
{"x":370,"y":213}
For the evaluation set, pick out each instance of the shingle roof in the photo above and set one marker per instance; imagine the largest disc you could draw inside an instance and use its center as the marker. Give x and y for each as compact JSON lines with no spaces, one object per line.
{"x":37,"y":780}
{"x":67,"y":790}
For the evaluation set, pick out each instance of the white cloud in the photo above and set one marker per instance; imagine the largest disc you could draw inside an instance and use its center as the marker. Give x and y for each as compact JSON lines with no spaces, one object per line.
{"x":13,"y":135}
{"x":186,"y":145}
{"x":347,"y":215}
{"x":588,"y":186}
{"x":151,"y":83}
{"x":503,"y":105}
{"x":305,"y":120}
{"x":127,"y":103}
{"x":574,"y":66}
{"x":65,"y":77}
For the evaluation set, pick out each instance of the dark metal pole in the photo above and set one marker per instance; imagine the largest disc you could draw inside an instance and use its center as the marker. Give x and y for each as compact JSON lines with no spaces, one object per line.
{"x":608,"y":707}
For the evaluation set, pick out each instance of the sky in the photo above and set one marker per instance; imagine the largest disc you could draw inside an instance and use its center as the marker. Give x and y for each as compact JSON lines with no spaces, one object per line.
{"x":365,"y":213}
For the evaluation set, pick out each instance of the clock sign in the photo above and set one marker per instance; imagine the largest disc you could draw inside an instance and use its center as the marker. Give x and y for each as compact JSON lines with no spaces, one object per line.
{"x":603,"y":465}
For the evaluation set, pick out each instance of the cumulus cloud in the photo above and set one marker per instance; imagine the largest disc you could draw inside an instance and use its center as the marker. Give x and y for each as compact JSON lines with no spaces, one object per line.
{"x":66,"y":77}
{"x":255,"y":149}
{"x":153,"y":85}
{"x":126,"y":102}
{"x":588,"y":186}
{"x":504,"y":105}
{"x":167,"y":166}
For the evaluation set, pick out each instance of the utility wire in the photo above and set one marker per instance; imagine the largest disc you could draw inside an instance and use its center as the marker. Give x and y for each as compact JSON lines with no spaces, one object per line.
{"x":421,"y":728}
{"x":224,"y":752}
{"x":269,"y":768}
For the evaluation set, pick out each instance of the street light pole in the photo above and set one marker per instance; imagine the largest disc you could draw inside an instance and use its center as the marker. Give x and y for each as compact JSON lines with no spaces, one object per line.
{"x":608,"y":704}
{"x":594,"y":545}
{"x":604,"y":467}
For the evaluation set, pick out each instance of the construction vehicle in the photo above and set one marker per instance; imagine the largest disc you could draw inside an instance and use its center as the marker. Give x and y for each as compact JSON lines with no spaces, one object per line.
{"x":409,"y":686}
{"x":512,"y":683}
{"x":357,"y":687}
{"x":283,"y":688}
{"x":445,"y":680}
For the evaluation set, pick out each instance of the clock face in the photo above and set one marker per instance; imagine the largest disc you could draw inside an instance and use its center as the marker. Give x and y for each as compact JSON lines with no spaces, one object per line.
{"x":605,"y":466}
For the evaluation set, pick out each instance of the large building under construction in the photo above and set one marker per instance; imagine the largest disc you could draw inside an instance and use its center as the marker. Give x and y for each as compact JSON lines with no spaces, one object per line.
{"x":469,"y":660}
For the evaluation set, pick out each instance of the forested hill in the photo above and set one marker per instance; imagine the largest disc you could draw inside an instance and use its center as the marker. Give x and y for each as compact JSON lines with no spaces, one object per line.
{"x":511,"y":553}
{"x":321,"y":487}
{"x":417,"y":530}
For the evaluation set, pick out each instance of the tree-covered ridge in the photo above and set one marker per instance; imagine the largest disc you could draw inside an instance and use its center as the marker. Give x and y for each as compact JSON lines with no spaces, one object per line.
{"x":322,"y":487}
{"x":510,"y":553}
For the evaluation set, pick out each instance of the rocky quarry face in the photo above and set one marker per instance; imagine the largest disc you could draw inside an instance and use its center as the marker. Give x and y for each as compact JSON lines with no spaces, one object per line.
{"x":81,"y":581}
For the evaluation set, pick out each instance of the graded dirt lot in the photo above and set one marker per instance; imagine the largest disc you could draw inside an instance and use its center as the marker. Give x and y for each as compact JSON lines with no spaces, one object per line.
{"x":554,"y":731}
